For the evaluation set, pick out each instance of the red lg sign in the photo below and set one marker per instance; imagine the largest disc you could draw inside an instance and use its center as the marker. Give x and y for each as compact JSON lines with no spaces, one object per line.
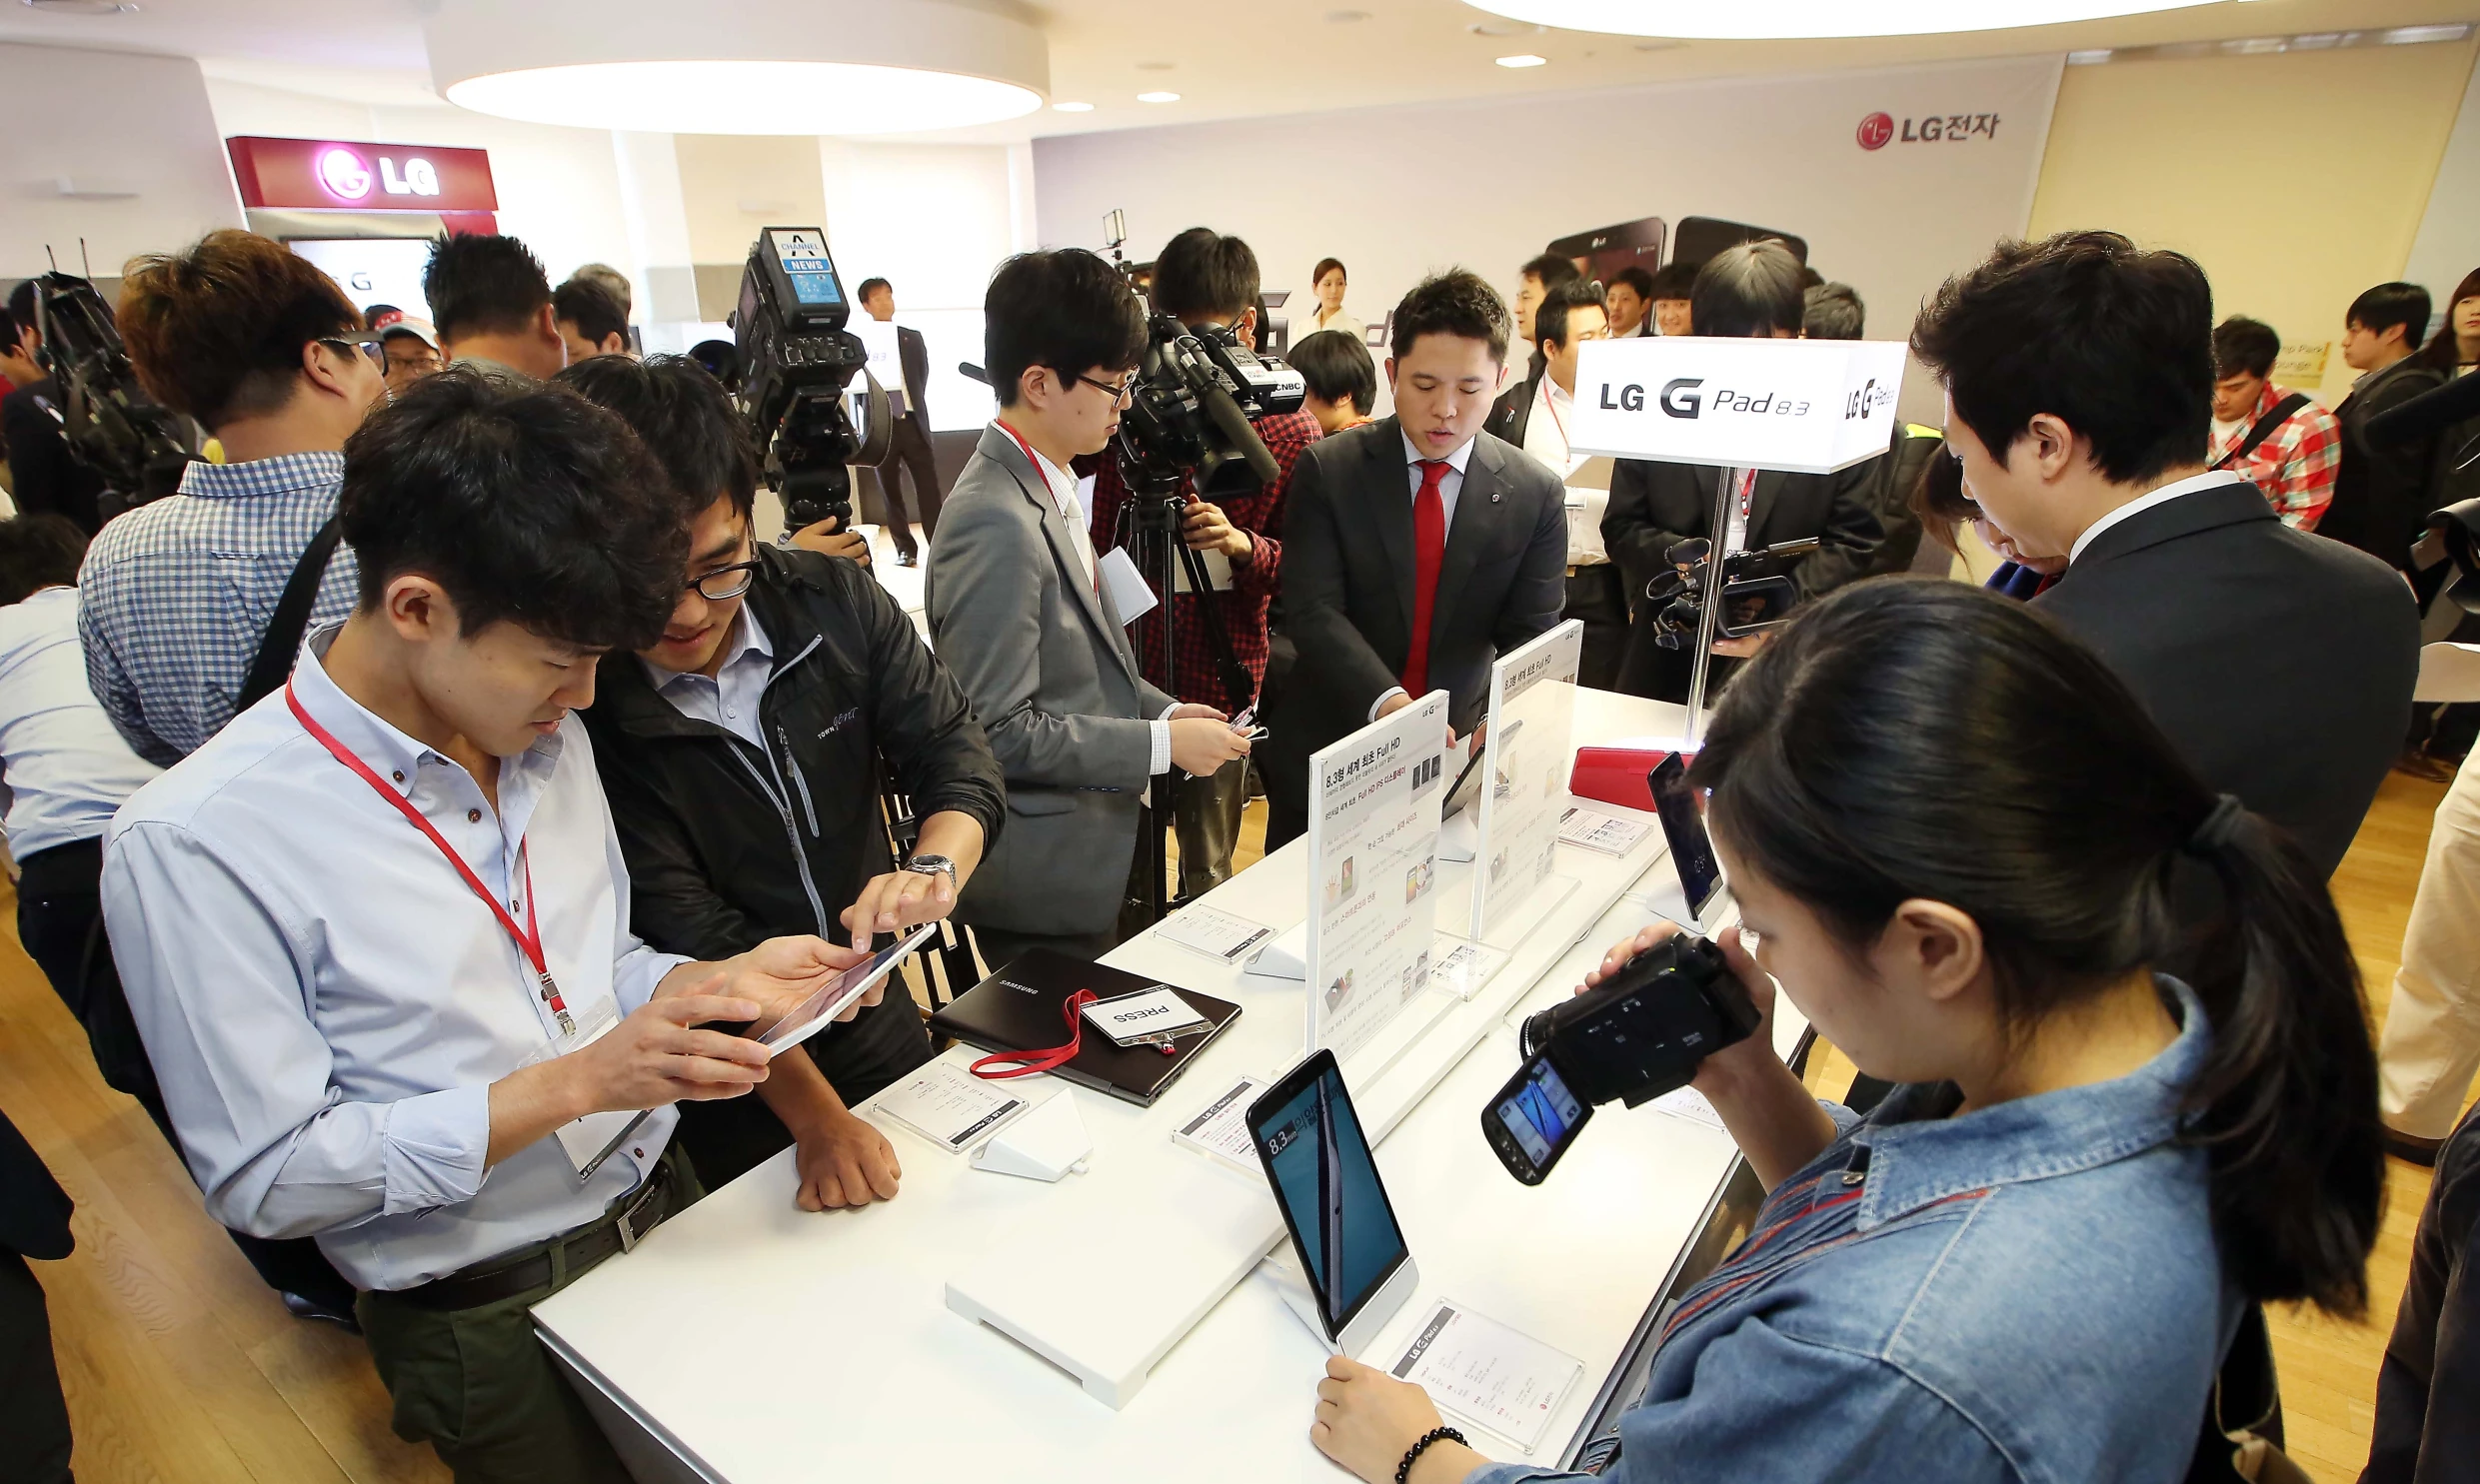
{"x":1875,"y":131}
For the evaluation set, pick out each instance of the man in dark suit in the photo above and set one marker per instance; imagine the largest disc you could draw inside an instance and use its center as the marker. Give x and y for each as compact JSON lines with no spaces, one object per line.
{"x":1418,"y":549}
{"x":2079,"y":378}
{"x":1750,"y":292}
{"x":910,"y":451}
{"x":2380,"y":492}
{"x":43,"y":474}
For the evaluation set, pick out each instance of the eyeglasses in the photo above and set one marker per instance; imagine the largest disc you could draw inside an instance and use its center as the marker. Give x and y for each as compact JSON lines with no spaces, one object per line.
{"x":725,"y":582}
{"x":376,"y":350}
{"x":1118,"y":392}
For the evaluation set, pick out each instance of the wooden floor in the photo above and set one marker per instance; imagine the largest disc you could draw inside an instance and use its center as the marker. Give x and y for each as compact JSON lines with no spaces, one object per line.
{"x":181,"y":1367}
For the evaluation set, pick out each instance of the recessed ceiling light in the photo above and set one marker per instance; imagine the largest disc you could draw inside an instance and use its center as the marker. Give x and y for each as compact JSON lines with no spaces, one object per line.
{"x":1157,"y":97}
{"x":1071,"y":107}
{"x":1345,"y":17}
{"x":81,"y":7}
{"x":1522,"y":59}
{"x":1779,"y":19}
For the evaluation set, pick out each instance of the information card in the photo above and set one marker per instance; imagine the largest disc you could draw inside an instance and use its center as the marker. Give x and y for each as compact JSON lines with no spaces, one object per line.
{"x":1373,"y":862}
{"x":1480,"y":1370}
{"x":1531,"y":712}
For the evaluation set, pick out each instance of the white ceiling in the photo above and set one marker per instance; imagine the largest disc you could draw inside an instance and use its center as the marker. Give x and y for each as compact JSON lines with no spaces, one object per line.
{"x":1226,"y":58}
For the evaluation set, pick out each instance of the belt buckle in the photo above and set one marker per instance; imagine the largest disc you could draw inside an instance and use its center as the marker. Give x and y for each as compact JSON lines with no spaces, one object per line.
{"x":629,"y":1234}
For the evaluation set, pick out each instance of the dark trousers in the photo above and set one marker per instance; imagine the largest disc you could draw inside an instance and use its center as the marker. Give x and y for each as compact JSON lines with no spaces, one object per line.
{"x":728,"y":1137}
{"x":1595,"y":595}
{"x":60,"y":921}
{"x":910,"y":453}
{"x":1205,"y":819}
{"x":34,"y":1418}
{"x":1663,"y":675}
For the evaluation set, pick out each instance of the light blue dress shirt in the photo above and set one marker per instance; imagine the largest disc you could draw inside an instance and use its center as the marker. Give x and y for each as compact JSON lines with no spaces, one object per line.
{"x":729,"y":699}
{"x":327,"y":1004}
{"x":63,"y":769}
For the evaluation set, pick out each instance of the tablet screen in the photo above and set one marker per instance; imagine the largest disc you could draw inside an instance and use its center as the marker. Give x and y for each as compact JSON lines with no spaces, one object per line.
{"x":829,"y":999}
{"x":1317,"y":1159}
{"x":1684,"y":826}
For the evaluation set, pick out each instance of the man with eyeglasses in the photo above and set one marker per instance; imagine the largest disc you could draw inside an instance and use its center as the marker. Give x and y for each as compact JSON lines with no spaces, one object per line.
{"x":1021,"y":611}
{"x":742,"y":754}
{"x":179,"y":599}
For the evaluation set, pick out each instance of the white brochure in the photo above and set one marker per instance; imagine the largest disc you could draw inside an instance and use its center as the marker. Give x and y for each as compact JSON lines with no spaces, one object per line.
{"x":1220,"y":1129}
{"x":1482,"y":1370}
{"x":950,"y":1106}
{"x":1373,"y":851}
{"x":1531,"y":712}
{"x":1213,"y":933}
{"x":1591,"y":830}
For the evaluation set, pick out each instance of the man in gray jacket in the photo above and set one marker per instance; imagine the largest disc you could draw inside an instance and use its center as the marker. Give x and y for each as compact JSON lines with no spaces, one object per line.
{"x":1022,"y":614}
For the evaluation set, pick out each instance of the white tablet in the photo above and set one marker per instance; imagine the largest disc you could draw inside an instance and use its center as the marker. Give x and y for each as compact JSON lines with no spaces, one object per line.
{"x":832,"y":998}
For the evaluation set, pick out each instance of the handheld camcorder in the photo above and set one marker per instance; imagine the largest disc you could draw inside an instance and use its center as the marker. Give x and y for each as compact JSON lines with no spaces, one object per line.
{"x":1758,"y":591}
{"x":796,"y":361}
{"x":136,"y":445}
{"x":1633,"y":1038}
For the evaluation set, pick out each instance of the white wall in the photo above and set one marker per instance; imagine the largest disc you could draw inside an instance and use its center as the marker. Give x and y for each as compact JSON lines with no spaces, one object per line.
{"x":107,"y":122}
{"x":1400,"y":191}
{"x":2448,"y":244}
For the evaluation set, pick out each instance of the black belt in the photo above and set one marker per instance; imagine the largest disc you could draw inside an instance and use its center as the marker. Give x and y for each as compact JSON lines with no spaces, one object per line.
{"x":617,"y":1231}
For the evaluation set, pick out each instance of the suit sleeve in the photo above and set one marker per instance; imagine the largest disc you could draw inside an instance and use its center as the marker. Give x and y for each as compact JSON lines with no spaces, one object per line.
{"x":1333,"y":657}
{"x":1539,"y":593}
{"x":923,"y":723}
{"x":1630,"y":533}
{"x":1854,"y":529}
{"x":986,"y":621}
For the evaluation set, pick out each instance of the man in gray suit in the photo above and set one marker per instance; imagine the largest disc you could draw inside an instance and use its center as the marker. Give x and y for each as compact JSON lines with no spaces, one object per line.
{"x":1022,"y":614}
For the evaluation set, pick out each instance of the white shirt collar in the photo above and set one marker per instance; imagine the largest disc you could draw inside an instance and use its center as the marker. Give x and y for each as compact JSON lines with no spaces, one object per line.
{"x":747,"y":638}
{"x":1455,"y":461}
{"x":1553,"y":392}
{"x":2209,"y":480}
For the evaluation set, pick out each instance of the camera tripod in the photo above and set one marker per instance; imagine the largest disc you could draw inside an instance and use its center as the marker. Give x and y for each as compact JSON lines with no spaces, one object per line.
{"x":1149,"y":525}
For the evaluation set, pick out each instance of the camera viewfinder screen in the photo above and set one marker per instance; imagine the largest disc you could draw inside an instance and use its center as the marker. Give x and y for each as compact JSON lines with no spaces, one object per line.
{"x":1328,"y":1185}
{"x":1541,"y":1113}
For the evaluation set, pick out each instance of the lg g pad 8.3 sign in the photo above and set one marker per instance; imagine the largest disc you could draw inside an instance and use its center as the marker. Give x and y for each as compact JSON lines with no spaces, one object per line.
{"x":342,"y":175}
{"x":1808,"y":406}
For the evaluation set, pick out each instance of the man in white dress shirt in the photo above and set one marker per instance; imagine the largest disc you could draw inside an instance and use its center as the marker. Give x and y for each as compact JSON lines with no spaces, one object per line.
{"x":376,"y":930}
{"x":1536,"y":415}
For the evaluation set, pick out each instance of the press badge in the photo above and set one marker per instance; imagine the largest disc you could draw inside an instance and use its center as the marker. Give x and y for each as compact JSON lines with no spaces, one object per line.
{"x":1151,"y":1017}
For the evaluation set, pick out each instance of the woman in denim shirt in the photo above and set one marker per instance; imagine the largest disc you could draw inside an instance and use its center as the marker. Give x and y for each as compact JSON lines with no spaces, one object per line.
{"x":1952,"y":834}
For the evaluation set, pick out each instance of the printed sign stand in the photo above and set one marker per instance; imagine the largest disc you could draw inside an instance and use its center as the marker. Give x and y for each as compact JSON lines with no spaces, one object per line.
{"x":1524,"y":768}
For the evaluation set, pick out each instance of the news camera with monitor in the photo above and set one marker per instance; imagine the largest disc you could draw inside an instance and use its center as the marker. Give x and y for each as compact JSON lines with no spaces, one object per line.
{"x":796,"y":363}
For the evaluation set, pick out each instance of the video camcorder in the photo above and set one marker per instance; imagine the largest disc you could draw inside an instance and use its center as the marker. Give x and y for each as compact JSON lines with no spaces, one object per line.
{"x":1631,"y":1039}
{"x":136,"y":445}
{"x":1758,"y":591}
{"x":796,"y":361}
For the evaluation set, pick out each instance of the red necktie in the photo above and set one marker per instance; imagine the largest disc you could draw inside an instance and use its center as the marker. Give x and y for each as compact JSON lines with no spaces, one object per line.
{"x":1428,"y":546}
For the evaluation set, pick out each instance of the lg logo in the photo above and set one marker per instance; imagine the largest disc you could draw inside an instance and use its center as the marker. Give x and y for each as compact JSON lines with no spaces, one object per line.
{"x":348,"y":176}
{"x":1876,"y":131}
{"x":1679,"y":398}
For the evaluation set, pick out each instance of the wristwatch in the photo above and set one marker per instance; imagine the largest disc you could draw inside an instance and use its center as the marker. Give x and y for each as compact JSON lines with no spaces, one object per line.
{"x":931,"y":866}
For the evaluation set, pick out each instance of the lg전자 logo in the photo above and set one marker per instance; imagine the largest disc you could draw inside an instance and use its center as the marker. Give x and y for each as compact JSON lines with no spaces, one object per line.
{"x":1876,"y":131}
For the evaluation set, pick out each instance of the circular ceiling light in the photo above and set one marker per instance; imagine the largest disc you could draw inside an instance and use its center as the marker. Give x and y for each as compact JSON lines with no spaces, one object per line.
{"x":1785,"y":19}
{"x":741,"y":66}
{"x":1157,"y":97}
{"x":1071,"y":107}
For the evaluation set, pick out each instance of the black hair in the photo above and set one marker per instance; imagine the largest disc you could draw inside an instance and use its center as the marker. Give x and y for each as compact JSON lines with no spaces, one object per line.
{"x":592,"y":308}
{"x":1635,"y":276}
{"x":1552,"y":269}
{"x":1940,"y":500}
{"x":1063,"y":308}
{"x":21,"y":304}
{"x":1749,"y":288}
{"x":1203,"y":273}
{"x":529,"y":504}
{"x":2115,"y":341}
{"x":478,"y":284}
{"x":2379,"y":309}
{"x":1337,"y":366}
{"x":1906,"y":740}
{"x":1325,"y":266}
{"x":870,"y":286}
{"x":685,"y":420}
{"x":1457,"y":302}
{"x":2444,"y":348}
{"x":38,"y":550}
{"x":1549,"y":318}
{"x":1832,"y":311}
{"x":1674,"y":281}
{"x":2244,"y":347}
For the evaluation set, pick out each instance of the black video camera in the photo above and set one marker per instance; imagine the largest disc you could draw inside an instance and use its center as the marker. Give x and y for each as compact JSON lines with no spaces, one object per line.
{"x":1635,"y":1036}
{"x":796,"y":362}
{"x":134,"y":444}
{"x":1758,"y":591}
{"x":1190,"y":412}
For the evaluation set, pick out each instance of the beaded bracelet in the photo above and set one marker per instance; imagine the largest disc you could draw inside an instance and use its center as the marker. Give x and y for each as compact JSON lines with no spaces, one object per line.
{"x":1403,"y":1470}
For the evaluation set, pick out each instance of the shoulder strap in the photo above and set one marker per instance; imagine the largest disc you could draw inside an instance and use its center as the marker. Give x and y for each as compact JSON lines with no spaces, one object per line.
{"x":283,"y":640}
{"x":2263,"y":430}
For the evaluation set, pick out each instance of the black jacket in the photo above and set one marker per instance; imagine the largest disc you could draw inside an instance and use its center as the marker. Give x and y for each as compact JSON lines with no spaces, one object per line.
{"x":710,"y":825}
{"x":2426,"y":1428}
{"x":2380,"y":491}
{"x":914,"y":353}
{"x":1512,"y":414}
{"x":46,"y":475}
{"x":2281,"y":664}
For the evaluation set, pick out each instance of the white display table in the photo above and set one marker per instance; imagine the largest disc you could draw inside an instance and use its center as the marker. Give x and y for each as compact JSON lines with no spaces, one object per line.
{"x":749,"y":1341}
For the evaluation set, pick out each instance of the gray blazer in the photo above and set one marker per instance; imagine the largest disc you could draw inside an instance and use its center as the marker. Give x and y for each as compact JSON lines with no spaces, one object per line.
{"x":1046,"y":663}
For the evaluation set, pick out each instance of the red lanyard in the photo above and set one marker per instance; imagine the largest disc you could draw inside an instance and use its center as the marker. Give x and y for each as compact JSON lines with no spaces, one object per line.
{"x":1550,"y":400}
{"x":1044,"y":475}
{"x":1049,"y":1056}
{"x":530,"y":939}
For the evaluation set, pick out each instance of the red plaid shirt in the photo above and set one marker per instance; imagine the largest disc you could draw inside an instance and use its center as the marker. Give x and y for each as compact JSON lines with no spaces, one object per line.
{"x":2296,"y":463}
{"x":1253,"y":583}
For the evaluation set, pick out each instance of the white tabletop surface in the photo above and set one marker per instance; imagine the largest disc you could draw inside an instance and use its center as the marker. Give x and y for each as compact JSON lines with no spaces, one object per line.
{"x":772,"y":1344}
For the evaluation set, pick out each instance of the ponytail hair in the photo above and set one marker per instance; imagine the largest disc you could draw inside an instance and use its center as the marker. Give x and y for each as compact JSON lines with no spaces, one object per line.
{"x":1906,"y":739}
